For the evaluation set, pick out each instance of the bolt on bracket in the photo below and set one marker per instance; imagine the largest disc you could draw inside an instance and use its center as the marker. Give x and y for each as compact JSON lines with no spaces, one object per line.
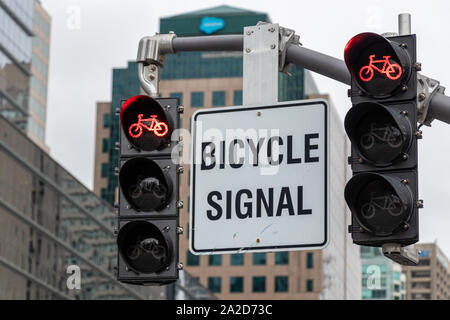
{"x":286,"y":37}
{"x":426,"y":88}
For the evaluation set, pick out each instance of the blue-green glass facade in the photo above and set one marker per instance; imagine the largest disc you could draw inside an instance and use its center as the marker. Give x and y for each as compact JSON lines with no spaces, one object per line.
{"x":16,"y":38}
{"x":381,"y":277}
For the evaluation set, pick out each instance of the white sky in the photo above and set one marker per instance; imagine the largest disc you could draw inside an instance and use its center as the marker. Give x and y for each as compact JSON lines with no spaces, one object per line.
{"x":83,"y":55}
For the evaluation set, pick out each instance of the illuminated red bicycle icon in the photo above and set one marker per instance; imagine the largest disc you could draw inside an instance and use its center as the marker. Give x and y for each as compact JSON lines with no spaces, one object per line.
{"x":160,"y":129}
{"x":392,"y":70}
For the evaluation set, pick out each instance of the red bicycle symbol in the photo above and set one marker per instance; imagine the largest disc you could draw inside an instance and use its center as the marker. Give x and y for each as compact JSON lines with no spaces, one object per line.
{"x":392,"y":70}
{"x":160,"y":129}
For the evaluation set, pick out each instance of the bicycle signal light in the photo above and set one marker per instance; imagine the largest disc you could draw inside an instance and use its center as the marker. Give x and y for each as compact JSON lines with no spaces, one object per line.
{"x":382,"y":127}
{"x":148,"y":194}
{"x":381,"y":204}
{"x":145,"y":123}
{"x":379,"y":66}
{"x":381,"y":136}
{"x":145,"y":185}
{"x":144,"y":247}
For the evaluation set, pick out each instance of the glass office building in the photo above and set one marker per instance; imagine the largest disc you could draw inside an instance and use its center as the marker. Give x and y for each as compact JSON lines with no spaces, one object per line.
{"x":48,"y":222}
{"x":16,"y":24}
{"x":53,"y":230}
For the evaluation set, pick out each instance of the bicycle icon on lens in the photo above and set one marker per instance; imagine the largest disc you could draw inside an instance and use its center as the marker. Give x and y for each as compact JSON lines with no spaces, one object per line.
{"x":388,"y":134}
{"x":159,"y":128}
{"x":390,"y":203}
{"x":150,"y":246}
{"x":393,"y":71}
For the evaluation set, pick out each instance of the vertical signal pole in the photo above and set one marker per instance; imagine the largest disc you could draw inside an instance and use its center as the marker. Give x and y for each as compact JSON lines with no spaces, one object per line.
{"x":404,"y":24}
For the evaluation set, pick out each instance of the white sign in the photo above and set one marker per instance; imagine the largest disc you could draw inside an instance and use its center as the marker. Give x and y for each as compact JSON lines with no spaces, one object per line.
{"x":259,"y":178}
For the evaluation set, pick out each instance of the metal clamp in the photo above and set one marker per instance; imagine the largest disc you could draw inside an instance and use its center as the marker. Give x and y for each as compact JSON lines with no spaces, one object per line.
{"x":407,"y":256}
{"x":151,"y":58}
{"x":426,"y":88}
{"x":287,"y":37}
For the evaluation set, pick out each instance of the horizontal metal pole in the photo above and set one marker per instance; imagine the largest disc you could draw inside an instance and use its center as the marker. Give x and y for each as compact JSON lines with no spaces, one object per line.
{"x":309,"y":59}
{"x":439,"y":108}
{"x":209,"y":43}
{"x":318,"y":62}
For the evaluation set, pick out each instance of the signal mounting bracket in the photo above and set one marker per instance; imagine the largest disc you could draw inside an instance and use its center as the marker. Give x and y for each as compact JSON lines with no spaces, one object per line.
{"x":151,"y":59}
{"x":407,"y":256}
{"x":426,"y":88}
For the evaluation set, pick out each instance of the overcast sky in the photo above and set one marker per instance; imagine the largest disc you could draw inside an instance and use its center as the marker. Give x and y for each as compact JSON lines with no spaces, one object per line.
{"x":90,"y":37}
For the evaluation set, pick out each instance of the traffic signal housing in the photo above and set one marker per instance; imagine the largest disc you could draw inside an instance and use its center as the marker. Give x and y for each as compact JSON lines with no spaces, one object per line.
{"x":382,"y":127}
{"x":148,"y":196}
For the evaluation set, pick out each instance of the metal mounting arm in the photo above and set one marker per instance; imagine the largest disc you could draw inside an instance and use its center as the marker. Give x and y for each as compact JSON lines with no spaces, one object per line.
{"x":150,"y":60}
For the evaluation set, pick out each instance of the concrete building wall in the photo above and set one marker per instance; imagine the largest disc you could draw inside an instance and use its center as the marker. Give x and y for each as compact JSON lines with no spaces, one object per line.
{"x":341,"y":259}
{"x":430,"y":280}
{"x":102,"y":145}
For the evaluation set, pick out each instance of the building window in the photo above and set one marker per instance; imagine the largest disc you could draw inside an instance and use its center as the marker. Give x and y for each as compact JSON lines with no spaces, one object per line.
{"x":237,"y":259}
{"x":215,"y":260}
{"x":197,"y":99}
{"x":424,"y":262}
{"x":420,"y":285}
{"x":259,"y":284}
{"x":215,"y":284}
{"x":281,"y":257}
{"x":259,"y":259}
{"x":218,"y":99}
{"x":105,"y":146}
{"x":309,"y":260}
{"x":309,"y":285}
{"x":236,"y":284}
{"x":178,"y":95}
{"x":192,"y":260}
{"x":421,"y":274}
{"x":106,"y":120}
{"x":104,"y":170}
{"x":237,"y":98}
{"x":378,"y":294}
{"x":281,"y":284}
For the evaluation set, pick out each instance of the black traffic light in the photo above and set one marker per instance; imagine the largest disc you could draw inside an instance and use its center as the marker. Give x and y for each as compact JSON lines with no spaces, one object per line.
{"x":149,"y":202}
{"x":382,"y":127}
